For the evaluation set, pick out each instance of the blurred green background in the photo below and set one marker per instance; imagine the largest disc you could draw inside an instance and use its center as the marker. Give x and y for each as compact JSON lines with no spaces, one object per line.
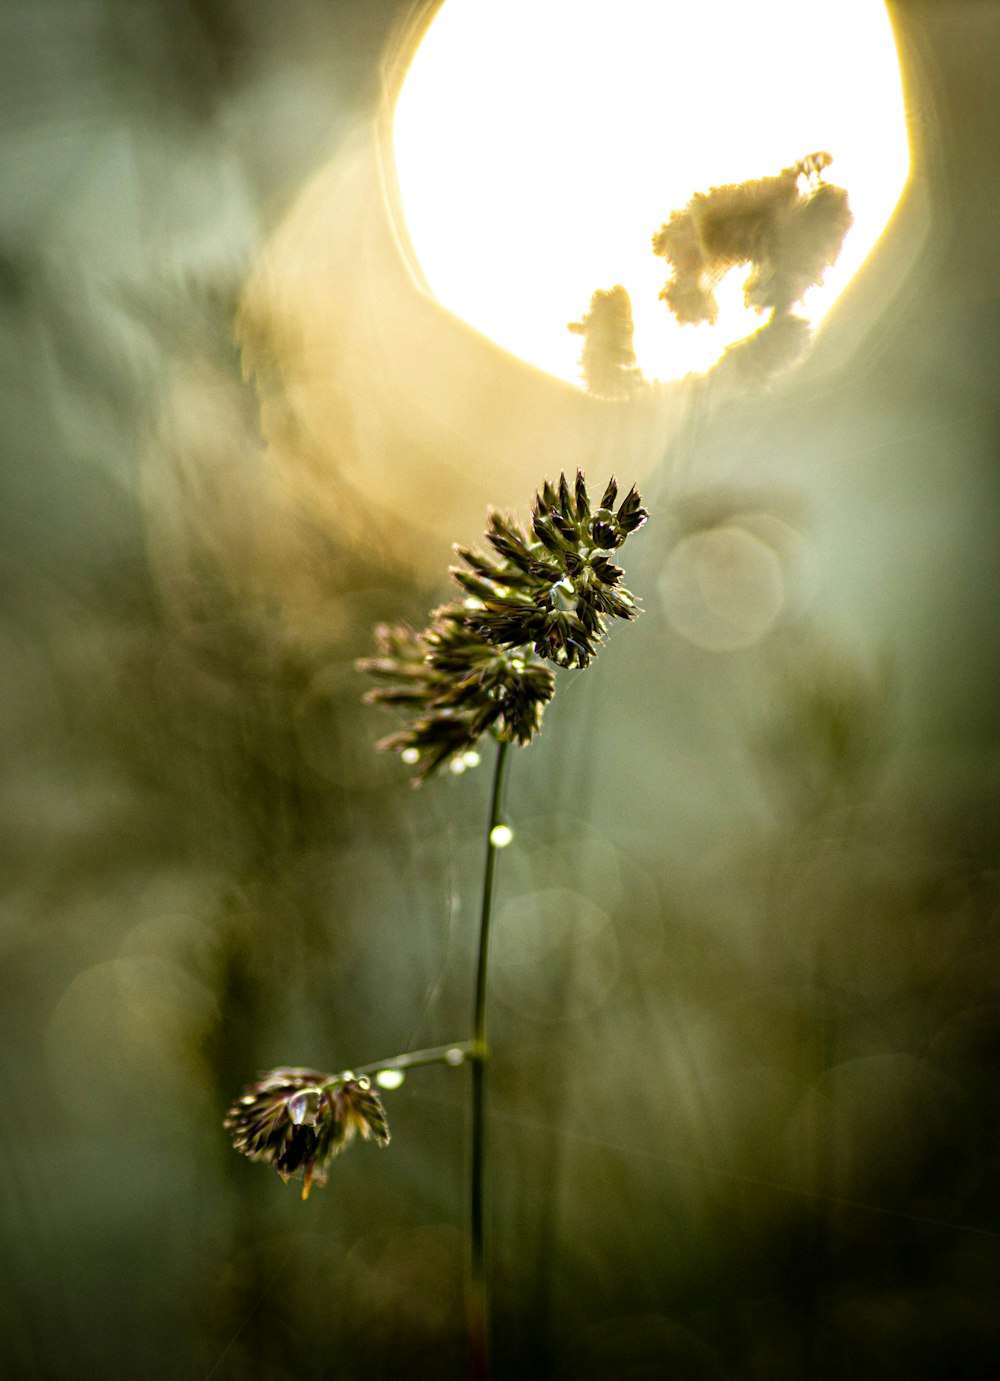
{"x":747,"y":993}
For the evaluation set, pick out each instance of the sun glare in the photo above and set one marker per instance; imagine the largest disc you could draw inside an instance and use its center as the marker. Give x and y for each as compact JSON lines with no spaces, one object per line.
{"x":539,"y":145}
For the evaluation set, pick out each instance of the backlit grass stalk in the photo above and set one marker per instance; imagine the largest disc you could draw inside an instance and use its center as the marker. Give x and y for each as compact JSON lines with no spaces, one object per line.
{"x":541,"y":598}
{"x":478,"y":1303}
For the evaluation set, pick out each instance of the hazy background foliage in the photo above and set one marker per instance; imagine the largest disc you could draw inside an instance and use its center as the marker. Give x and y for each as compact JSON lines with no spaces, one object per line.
{"x":747,"y":1014}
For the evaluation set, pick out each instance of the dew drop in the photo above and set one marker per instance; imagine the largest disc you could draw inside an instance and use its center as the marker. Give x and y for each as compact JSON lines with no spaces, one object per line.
{"x":298,"y":1107}
{"x":389,"y":1078}
{"x":500,"y":836}
{"x":410,"y":755}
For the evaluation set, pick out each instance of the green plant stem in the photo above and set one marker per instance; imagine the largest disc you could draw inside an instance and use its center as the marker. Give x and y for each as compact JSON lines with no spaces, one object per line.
{"x":455,"y":1054}
{"x":478,"y":1313}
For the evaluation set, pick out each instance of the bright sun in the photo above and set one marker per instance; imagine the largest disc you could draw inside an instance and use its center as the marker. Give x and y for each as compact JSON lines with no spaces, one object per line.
{"x":539,"y":144}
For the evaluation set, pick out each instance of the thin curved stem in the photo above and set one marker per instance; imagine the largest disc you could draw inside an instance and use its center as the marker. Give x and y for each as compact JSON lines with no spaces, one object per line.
{"x":455,"y":1054}
{"x":478,"y":1317}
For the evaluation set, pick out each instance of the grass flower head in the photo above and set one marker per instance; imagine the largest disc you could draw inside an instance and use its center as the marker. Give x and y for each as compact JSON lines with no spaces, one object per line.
{"x":298,"y":1119}
{"x":542,"y":596}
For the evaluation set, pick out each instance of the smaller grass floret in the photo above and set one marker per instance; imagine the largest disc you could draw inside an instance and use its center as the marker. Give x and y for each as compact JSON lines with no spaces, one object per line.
{"x":298,"y":1119}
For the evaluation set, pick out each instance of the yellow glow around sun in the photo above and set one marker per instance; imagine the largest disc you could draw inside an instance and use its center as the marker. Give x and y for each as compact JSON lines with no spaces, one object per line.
{"x":539,"y":145}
